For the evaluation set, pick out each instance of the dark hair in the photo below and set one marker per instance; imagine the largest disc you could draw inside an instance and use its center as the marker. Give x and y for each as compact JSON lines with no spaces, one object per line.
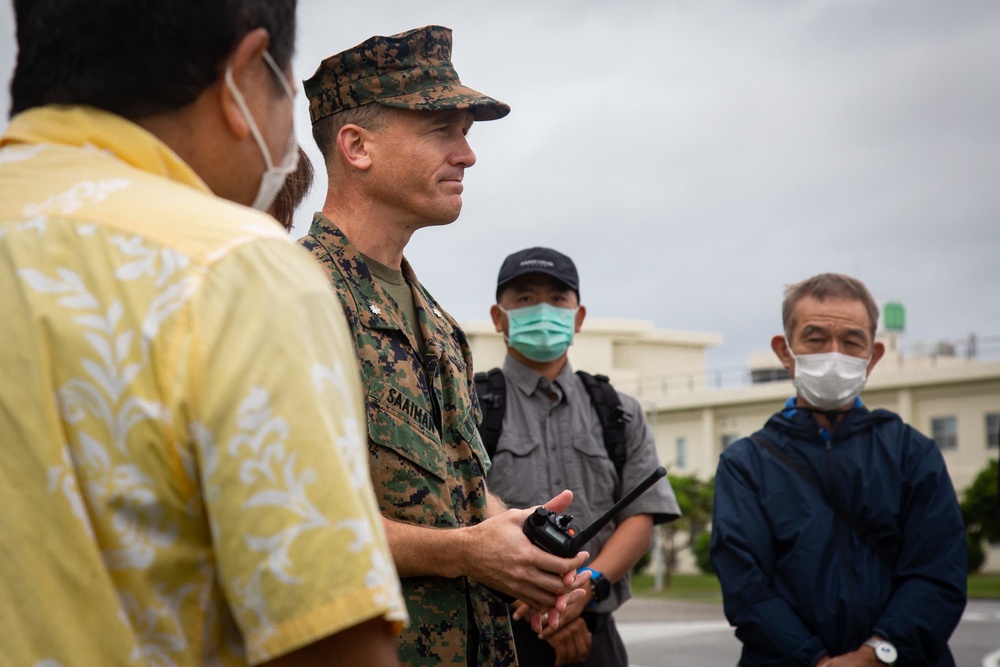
{"x":828,"y":286}
{"x":296,"y":187}
{"x":135,"y":58}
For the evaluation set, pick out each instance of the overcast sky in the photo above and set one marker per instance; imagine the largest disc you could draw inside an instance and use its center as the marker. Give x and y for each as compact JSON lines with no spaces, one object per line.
{"x":695,"y":156}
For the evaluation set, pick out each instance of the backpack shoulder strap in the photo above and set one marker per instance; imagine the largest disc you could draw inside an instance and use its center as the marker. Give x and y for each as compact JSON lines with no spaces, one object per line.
{"x":611,"y":415}
{"x":491,"y":389}
{"x":799,"y":469}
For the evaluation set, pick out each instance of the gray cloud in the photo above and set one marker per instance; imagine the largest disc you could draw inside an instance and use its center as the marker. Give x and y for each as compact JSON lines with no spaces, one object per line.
{"x":695,"y":157}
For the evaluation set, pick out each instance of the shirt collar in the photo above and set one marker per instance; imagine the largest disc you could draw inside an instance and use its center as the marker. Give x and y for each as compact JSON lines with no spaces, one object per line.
{"x":790,"y":407}
{"x":528,"y":380}
{"x":98,"y":130}
{"x":790,"y":410}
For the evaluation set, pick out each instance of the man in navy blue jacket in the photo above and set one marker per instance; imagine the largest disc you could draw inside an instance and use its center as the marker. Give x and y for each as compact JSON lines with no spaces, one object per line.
{"x":837,"y":535}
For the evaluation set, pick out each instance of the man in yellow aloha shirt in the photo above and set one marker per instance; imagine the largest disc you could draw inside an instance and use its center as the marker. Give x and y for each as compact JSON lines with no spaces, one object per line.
{"x":184,"y":475}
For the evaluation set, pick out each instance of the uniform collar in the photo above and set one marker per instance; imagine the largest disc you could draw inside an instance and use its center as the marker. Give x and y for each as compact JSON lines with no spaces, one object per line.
{"x":93,"y":129}
{"x":376,"y":309}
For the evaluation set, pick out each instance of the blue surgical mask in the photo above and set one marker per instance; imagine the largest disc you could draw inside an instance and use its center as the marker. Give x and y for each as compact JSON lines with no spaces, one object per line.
{"x":542,"y":332}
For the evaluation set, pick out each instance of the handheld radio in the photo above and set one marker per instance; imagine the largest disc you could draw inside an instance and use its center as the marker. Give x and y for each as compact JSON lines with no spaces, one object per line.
{"x":556,"y":533}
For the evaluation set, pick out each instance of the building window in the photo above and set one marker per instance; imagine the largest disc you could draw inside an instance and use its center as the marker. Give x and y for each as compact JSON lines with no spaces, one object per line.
{"x":761,"y":375}
{"x":682,"y":452}
{"x":728,"y":439}
{"x":944,"y":430}
{"x":993,"y":430}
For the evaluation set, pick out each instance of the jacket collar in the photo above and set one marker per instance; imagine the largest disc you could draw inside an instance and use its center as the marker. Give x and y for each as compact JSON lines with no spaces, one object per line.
{"x":801,"y":423}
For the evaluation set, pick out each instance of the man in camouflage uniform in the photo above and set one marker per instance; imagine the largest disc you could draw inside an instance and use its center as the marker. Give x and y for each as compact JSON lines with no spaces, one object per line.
{"x":390,"y":117}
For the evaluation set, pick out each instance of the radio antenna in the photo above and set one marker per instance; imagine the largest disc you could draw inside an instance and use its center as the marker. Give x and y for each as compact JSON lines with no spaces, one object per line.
{"x":593,"y":529}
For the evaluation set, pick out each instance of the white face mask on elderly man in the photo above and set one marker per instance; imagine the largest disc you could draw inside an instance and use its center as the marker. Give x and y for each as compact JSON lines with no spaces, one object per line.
{"x":274,"y":177}
{"x":831,"y":380}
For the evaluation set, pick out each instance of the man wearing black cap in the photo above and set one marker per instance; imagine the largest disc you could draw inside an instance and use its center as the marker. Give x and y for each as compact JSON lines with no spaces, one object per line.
{"x":553,"y":436}
{"x":390,"y":117}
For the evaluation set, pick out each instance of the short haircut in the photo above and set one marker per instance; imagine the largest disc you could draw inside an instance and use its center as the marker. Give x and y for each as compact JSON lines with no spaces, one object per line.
{"x":369,"y":116}
{"x":824,"y":287}
{"x":295,"y":189}
{"x":135,"y":58}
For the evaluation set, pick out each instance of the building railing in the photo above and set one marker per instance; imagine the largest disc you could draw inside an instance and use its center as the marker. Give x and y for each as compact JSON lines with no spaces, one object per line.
{"x":917,"y":355}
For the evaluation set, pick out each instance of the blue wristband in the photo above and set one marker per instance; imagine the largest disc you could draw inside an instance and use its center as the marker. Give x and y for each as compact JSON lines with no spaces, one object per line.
{"x":602,"y":587}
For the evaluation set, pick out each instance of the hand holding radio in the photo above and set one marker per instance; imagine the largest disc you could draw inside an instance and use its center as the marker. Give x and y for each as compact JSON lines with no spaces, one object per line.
{"x":556,"y":533}
{"x":498,"y":556}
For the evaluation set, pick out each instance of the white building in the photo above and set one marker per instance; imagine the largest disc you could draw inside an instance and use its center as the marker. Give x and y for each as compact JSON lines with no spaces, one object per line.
{"x":954,"y":399}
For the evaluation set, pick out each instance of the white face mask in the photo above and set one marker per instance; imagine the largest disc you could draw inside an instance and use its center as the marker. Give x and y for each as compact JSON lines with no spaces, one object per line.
{"x":274,"y":177}
{"x":829,"y":381}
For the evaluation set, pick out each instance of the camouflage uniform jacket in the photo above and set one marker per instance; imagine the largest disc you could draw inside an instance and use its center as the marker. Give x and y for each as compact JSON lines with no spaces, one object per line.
{"x":428,"y":464}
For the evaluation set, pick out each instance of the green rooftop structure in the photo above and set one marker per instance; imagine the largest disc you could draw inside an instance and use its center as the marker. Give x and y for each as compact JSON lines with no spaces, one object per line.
{"x":894,"y":316}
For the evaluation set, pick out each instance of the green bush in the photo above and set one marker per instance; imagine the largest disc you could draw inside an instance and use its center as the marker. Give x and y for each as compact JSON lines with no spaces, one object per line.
{"x":643,"y":563}
{"x":977,"y":555}
{"x":981,"y":514}
{"x":700,"y":548}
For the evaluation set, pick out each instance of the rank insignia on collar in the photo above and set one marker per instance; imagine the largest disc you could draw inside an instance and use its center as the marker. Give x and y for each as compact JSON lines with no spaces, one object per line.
{"x":436,"y":312}
{"x":375,"y":309}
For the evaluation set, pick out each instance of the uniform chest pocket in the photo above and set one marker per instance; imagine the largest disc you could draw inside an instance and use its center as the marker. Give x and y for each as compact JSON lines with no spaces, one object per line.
{"x":464,"y":430}
{"x":399,"y":423}
{"x":516,"y":475}
{"x":592,"y":469}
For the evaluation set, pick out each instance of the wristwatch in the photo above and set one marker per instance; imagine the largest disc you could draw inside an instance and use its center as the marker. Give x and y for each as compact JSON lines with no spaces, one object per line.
{"x":602,"y":587}
{"x":884,"y":651}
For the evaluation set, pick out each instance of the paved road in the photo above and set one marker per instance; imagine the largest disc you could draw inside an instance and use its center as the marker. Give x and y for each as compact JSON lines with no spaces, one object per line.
{"x":683,"y":634}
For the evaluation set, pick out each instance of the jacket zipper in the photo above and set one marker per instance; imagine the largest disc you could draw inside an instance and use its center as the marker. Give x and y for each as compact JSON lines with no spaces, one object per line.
{"x":842,"y":535}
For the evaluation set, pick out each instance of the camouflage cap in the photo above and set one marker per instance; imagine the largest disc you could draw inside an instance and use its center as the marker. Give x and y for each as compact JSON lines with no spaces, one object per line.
{"x":411,"y":70}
